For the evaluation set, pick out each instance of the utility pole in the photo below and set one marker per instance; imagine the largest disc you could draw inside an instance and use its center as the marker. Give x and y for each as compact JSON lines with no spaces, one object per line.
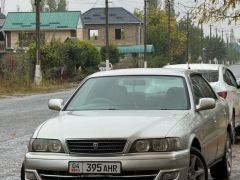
{"x":107,"y":35}
{"x":222,"y":36}
{"x":202,"y":42}
{"x":210,"y":31}
{"x":216,"y":33}
{"x":188,"y":37}
{"x":38,"y":74}
{"x":227,"y":40}
{"x":169,"y":31}
{"x":145,"y":33}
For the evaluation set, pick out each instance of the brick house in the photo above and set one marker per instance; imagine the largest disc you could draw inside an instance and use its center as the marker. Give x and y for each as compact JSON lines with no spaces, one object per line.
{"x":124,"y":27}
{"x":19,"y":27}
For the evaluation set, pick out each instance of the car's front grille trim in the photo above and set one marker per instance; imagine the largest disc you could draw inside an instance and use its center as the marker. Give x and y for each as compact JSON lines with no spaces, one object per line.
{"x":110,"y":176}
{"x":45,"y":175}
{"x":96,"y":146}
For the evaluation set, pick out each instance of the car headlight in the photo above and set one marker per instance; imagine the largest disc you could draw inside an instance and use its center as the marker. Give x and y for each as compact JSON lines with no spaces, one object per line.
{"x":142,"y":146}
{"x":157,"y":145}
{"x":46,"y":145}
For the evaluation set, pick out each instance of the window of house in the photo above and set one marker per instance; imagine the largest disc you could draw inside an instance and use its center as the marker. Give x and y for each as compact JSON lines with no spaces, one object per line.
{"x":119,"y":34}
{"x":92,"y":34}
{"x":25,"y":38}
{"x":73,"y":33}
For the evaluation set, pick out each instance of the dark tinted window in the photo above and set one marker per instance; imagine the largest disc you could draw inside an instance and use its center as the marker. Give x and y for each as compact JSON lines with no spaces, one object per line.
{"x":201,"y":88}
{"x":232,"y":78}
{"x":227,"y":78}
{"x":210,"y":75}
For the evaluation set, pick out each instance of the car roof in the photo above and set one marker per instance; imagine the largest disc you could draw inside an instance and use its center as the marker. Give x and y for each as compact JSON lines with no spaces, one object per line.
{"x":143,"y":71}
{"x":196,"y":66}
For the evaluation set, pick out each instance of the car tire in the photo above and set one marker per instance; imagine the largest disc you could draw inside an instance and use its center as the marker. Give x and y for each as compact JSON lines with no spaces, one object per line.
{"x":197,"y":166}
{"x":233,"y":137}
{"x":222,"y":170}
{"x":22,"y":172}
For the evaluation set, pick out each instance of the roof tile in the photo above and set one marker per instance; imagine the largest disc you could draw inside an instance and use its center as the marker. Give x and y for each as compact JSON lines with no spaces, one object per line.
{"x":117,"y":15}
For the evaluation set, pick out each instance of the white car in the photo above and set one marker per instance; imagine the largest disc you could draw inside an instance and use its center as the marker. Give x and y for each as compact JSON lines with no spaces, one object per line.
{"x":223,"y":82}
{"x":102,"y":66}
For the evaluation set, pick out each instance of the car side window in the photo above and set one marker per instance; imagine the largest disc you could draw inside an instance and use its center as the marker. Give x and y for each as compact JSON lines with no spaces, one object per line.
{"x":227,"y":78}
{"x":201,"y":88}
{"x":232,"y":78}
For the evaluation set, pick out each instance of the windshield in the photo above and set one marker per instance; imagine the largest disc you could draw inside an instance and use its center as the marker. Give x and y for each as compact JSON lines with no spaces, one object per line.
{"x":209,"y":75}
{"x":131,"y":93}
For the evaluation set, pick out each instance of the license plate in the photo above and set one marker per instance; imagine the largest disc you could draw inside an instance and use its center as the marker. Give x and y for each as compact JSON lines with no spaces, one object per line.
{"x":95,"y":167}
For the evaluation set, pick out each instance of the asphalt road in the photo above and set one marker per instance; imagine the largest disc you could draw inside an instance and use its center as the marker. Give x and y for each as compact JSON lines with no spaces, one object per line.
{"x":20,"y":116}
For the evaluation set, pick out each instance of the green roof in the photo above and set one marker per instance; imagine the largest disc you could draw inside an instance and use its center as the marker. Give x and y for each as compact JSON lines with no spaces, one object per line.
{"x":135,"y":49}
{"x":49,"y":20}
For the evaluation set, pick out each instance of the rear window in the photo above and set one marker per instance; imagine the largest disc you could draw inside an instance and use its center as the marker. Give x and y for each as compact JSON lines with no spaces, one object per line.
{"x":209,"y":75}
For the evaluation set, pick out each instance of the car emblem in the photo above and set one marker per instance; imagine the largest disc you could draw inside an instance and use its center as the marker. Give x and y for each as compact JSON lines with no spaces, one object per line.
{"x":95,"y":146}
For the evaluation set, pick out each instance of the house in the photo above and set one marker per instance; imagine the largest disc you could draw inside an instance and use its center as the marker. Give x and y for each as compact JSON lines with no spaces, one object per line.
{"x":124,"y":27}
{"x":125,"y":30}
{"x":19,"y":27}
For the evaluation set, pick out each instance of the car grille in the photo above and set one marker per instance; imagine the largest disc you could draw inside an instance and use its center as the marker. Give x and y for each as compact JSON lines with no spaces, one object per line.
{"x":126,"y":175}
{"x":96,"y":146}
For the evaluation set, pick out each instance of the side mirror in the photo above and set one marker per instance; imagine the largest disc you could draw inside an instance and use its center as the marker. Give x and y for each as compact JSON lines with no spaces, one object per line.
{"x":55,"y":104}
{"x":205,"y":104}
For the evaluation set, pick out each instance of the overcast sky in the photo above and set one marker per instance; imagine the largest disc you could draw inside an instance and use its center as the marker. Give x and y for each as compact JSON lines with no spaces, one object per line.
{"x":84,"y":5}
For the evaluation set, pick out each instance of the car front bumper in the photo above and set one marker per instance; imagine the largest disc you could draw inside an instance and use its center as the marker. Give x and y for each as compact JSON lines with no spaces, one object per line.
{"x":47,"y":165}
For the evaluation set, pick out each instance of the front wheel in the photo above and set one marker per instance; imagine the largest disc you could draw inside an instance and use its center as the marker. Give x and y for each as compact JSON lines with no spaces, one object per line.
{"x":197,"y":166}
{"x":222,"y":170}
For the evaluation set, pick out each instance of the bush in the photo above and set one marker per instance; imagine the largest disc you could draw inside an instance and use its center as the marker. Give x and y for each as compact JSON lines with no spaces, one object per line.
{"x":113,"y":54}
{"x":157,"y":61}
{"x":80,"y":54}
{"x":51,"y":58}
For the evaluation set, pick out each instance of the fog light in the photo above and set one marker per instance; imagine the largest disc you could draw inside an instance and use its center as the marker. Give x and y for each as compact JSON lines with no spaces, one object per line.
{"x":170,"y":175}
{"x":30,"y":176}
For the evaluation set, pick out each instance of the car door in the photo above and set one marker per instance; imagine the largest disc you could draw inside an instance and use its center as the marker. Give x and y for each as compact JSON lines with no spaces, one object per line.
{"x":235,"y":96}
{"x":210,"y":119}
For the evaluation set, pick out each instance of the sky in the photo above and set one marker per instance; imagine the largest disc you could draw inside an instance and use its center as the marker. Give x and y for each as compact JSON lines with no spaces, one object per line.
{"x":84,"y":5}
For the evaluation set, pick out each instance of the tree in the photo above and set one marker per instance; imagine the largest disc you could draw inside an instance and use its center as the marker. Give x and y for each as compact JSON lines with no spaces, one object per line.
{"x":218,"y":10}
{"x":158,"y":34}
{"x":233,"y":53}
{"x":172,"y":10}
{"x":215,"y":48}
{"x":51,"y":58}
{"x":80,"y":54}
{"x":113,"y":53}
{"x":51,"y":5}
{"x":62,"y":5}
{"x":194,"y":40}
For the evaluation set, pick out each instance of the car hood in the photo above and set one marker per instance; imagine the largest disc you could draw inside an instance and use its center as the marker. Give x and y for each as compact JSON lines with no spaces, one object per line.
{"x":110,"y":124}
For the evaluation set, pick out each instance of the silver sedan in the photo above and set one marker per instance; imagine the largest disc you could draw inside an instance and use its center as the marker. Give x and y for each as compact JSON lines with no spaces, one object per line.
{"x":139,"y":124}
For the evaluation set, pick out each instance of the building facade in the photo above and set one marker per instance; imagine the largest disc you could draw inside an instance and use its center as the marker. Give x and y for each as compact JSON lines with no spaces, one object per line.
{"x":124,"y":27}
{"x":19,"y":27}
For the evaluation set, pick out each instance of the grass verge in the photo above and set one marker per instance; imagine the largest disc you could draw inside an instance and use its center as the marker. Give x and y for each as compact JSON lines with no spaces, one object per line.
{"x":8,"y":88}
